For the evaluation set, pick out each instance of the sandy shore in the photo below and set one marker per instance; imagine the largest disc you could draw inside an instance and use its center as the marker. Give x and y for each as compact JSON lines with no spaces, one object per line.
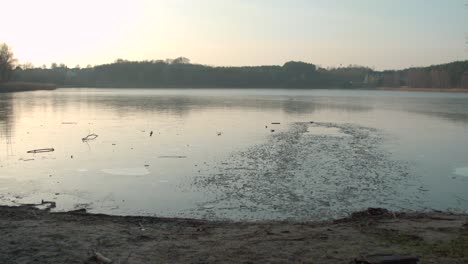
{"x":29,"y":235}
{"x":409,"y":89}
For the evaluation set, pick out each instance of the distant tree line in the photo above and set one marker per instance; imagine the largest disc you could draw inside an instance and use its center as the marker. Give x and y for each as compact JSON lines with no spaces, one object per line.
{"x":450,"y":75}
{"x":180,"y":72}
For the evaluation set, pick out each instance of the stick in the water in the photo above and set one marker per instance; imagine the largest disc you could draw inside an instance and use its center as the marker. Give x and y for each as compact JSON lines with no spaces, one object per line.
{"x":89,"y":137}
{"x":41,"y":150}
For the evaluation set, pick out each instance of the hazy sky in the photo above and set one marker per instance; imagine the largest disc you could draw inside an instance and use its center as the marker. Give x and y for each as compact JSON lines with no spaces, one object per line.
{"x":378,"y":33}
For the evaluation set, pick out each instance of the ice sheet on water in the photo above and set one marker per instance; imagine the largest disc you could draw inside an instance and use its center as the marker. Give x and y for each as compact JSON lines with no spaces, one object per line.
{"x":300,"y":175}
{"x":462,"y":171}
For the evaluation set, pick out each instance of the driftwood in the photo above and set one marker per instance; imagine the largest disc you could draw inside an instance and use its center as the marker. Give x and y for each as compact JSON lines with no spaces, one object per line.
{"x":101,"y":258}
{"x":89,"y":137}
{"x":276,"y":123}
{"x":50,"y":205}
{"x":41,"y":150}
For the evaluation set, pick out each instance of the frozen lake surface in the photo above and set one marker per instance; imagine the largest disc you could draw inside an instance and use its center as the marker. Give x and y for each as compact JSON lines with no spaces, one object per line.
{"x":235,"y":154}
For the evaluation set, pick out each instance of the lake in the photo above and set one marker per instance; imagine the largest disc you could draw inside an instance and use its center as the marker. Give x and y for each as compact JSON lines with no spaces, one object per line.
{"x":235,"y":154}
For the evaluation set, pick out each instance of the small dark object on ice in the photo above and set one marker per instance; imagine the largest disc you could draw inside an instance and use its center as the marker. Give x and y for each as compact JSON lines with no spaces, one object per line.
{"x":151,"y":133}
{"x":41,"y":150}
{"x":311,"y":122}
{"x":89,"y":137}
{"x":272,"y":130}
{"x":266,"y":126}
{"x":219,"y":133}
{"x":276,"y":123}
{"x":387,"y":259}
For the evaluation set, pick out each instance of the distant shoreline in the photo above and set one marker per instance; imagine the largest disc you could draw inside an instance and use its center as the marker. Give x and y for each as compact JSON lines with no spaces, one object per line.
{"x":29,"y":86}
{"x":411,"y":89}
{"x":25,"y":86}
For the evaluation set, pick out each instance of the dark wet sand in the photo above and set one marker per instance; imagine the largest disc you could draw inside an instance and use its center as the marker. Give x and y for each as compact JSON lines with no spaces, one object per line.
{"x":29,"y":235}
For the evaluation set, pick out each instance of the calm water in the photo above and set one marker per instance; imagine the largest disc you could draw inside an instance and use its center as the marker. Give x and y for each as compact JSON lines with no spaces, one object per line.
{"x":201,"y":137}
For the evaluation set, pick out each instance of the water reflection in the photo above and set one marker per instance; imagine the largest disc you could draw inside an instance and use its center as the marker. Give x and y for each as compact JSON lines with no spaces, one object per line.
{"x":181,"y":104}
{"x":6,"y":112}
{"x":445,"y":107}
{"x":6,"y":122}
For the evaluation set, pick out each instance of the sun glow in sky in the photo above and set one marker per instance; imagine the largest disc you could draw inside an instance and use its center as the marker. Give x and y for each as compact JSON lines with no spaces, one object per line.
{"x":385,"y":34}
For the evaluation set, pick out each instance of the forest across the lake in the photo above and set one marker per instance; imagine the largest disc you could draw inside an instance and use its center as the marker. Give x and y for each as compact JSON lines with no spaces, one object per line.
{"x":181,"y":73}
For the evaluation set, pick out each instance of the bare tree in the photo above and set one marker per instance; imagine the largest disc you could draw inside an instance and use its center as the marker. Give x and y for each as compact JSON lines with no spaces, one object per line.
{"x":27,"y":66}
{"x":7,"y":62}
